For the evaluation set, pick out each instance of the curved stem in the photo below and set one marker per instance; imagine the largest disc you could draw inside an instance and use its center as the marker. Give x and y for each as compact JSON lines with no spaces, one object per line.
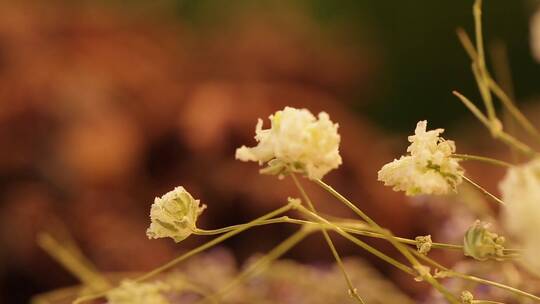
{"x":366,"y":218}
{"x":358,"y":242}
{"x":194,"y":251}
{"x":352,"y":290}
{"x":400,"y":239}
{"x":504,"y":137}
{"x":346,"y":226}
{"x":262,"y":263}
{"x":484,"y":159}
{"x":400,"y":247}
{"x":495,"y":284}
{"x":451,"y":273}
{"x":282,"y":219}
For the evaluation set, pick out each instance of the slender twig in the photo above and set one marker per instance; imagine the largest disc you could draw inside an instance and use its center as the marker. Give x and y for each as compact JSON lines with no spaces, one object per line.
{"x":389,"y":237}
{"x":466,"y":43}
{"x":498,"y":200}
{"x":281,"y":219}
{"x":73,"y":261}
{"x":496,"y":88}
{"x":261,"y":264}
{"x":352,"y":289}
{"x":488,"y":160}
{"x":358,"y":242}
{"x":470,"y":105}
{"x":481,"y":63}
{"x":193,"y":252}
{"x":504,"y":137}
{"x":495,"y":284}
{"x":450,"y":273}
{"x":512,"y":109}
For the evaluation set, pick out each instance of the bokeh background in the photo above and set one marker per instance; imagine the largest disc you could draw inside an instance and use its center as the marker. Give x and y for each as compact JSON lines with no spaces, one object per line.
{"x":106,"y":104}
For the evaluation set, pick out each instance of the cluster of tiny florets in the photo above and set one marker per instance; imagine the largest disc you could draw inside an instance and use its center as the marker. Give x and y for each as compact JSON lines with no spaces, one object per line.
{"x":428,"y":168}
{"x":130,"y":292}
{"x":174,"y":215}
{"x":482,"y":244}
{"x":296,"y":141}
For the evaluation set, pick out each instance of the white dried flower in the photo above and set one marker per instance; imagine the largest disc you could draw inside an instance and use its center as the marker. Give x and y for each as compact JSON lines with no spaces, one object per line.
{"x":482,"y":244}
{"x":174,"y":215}
{"x":130,"y":292}
{"x":520,"y":190}
{"x":423,"y":244}
{"x":296,"y":141}
{"x":467,"y":297}
{"x":428,"y":168}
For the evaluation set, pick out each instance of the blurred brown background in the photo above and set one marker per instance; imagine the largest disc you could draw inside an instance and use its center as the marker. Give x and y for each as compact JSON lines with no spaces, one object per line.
{"x":105,"y":105}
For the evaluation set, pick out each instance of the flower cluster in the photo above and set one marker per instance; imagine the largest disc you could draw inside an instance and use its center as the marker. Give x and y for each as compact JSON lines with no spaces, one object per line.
{"x":174,"y":215}
{"x":130,"y":292}
{"x":520,"y":190}
{"x":428,"y":168}
{"x":296,"y":141}
{"x":482,"y":244}
{"x":423,"y":244}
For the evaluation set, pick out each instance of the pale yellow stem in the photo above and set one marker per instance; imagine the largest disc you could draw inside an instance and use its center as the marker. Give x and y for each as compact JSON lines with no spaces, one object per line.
{"x":498,"y":200}
{"x":451,"y":273}
{"x":73,"y":262}
{"x":484,"y":159}
{"x":282,"y":219}
{"x":504,"y":137}
{"x":352,"y":290}
{"x":262,"y":263}
{"x":400,"y":247}
{"x":194,"y":251}
{"x":482,"y":78}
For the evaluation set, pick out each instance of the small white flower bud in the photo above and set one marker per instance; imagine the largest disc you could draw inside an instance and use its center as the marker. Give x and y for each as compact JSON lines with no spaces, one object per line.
{"x":467,"y":297}
{"x":130,"y":292}
{"x":174,"y":215}
{"x":423,"y":244}
{"x":481,"y":244}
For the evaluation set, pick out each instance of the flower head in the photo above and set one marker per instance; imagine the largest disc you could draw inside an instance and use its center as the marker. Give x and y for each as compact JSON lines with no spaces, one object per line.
{"x":428,"y":168}
{"x":482,"y":244}
{"x":466,"y":297}
{"x":423,"y":244}
{"x":130,"y":292}
{"x":296,"y":141}
{"x":174,"y":215}
{"x":520,"y":190}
